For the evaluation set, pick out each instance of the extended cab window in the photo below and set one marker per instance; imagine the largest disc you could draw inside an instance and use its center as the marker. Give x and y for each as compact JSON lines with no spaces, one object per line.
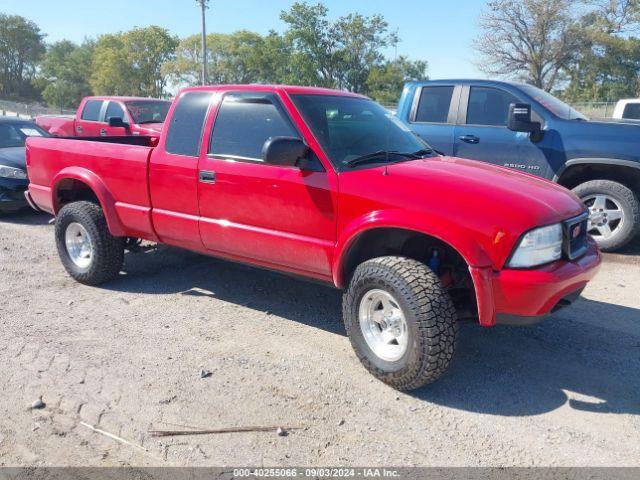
{"x":91,"y":110}
{"x":434,"y":104}
{"x":489,"y":106}
{"x":244,"y":124}
{"x":114,"y":110}
{"x":187,"y":123}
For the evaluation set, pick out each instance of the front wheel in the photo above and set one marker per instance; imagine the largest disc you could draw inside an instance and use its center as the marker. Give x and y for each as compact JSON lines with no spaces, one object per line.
{"x":400,"y":321}
{"x":614,"y":212}
{"x":88,"y":251}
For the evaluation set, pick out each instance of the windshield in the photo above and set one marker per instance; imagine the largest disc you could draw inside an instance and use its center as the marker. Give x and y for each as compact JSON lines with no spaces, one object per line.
{"x":15,"y":134}
{"x":349,"y":128}
{"x":148,"y":111}
{"x":553,"y":104}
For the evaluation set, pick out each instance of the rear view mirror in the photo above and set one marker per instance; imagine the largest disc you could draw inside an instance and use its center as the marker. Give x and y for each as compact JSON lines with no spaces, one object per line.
{"x":117,"y":122}
{"x":284,"y":151}
{"x":520,"y":120}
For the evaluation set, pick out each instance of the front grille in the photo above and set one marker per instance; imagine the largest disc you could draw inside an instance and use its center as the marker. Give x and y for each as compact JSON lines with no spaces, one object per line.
{"x":575,"y":236}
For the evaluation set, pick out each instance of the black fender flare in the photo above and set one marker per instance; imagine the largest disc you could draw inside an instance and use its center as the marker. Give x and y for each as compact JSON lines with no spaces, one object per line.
{"x":592,"y":161}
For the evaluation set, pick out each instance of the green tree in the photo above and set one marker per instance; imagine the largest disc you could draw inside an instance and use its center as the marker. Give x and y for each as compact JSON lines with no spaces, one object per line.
{"x":336,"y":54}
{"x":606,"y":67}
{"x":385,"y":82}
{"x":65,"y":71}
{"x":130,"y":63}
{"x":314,"y":44}
{"x":361,"y":40}
{"x":239,"y":57}
{"x":21,"y":46}
{"x":112,"y":68}
{"x":346,"y":54}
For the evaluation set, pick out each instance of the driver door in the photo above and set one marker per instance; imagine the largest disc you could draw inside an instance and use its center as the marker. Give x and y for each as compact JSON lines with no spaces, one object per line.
{"x":484,"y":134}
{"x":115,"y":109}
{"x":275,"y":216}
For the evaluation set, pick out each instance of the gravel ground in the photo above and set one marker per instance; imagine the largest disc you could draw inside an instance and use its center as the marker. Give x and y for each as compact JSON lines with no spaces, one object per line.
{"x":127,"y":358}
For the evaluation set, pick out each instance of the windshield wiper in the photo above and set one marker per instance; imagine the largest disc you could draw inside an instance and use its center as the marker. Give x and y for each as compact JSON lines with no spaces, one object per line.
{"x":377,"y":156}
{"x":424,"y":152}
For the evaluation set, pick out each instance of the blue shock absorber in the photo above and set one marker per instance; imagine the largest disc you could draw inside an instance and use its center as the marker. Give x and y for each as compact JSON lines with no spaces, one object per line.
{"x":434,"y":262}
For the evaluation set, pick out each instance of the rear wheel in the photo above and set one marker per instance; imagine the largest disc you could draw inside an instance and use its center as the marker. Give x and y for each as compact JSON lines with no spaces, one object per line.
{"x":401,"y":322}
{"x":88,"y":251}
{"x":614,"y":212}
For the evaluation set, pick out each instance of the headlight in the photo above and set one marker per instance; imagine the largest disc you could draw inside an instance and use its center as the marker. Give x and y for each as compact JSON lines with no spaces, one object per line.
{"x":539,"y":246}
{"x":10,"y":172}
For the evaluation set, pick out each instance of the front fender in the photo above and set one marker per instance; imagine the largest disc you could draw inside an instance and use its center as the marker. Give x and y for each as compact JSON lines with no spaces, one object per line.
{"x":456,"y":236}
{"x":93,"y":181}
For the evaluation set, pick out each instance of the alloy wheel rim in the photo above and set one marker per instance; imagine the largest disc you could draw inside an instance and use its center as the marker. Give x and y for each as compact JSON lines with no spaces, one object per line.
{"x":79,"y":245}
{"x":606,"y":216}
{"x":383,"y":325}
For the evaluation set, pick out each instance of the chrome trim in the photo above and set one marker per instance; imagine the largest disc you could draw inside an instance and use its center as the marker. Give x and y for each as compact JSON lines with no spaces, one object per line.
{"x":30,"y":201}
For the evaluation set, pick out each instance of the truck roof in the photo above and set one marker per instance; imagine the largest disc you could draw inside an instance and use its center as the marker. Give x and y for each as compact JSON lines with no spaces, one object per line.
{"x":292,"y":89}
{"x":123,"y":99}
{"x":465,"y":81}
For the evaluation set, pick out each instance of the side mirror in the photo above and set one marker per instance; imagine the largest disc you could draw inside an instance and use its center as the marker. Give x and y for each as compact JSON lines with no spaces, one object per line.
{"x":520,"y":120}
{"x":284,"y":151}
{"x":117,"y":122}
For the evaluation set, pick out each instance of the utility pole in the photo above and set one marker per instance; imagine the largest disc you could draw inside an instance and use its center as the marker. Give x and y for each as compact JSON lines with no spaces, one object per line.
{"x":204,"y":4}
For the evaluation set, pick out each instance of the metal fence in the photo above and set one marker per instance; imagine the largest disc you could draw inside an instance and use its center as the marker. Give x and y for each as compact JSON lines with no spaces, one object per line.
{"x":595,"y":109}
{"x":29,"y":110}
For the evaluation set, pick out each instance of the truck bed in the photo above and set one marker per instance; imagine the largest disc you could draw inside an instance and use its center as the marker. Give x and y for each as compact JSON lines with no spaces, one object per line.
{"x":113,"y":167}
{"x":57,"y":125}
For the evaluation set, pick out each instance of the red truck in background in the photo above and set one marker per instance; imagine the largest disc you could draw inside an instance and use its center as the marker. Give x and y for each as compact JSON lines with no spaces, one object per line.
{"x":109,"y":116}
{"x":329,"y":186}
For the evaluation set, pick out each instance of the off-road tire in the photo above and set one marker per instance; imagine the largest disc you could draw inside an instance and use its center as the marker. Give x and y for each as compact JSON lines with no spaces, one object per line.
{"x":430,"y":316}
{"x":629,"y":204}
{"x":108,"y":251}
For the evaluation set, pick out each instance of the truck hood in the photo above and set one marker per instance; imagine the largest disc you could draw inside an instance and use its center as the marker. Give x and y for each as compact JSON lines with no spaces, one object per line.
{"x":13,"y":157}
{"x":152,"y":129}
{"x":490,"y":205}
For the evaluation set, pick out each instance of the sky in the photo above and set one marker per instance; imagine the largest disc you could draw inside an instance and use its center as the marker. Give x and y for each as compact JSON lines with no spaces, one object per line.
{"x":440,"y":32}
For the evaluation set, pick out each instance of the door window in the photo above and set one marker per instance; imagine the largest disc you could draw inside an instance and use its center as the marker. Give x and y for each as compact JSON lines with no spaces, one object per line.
{"x":245,"y":123}
{"x":434,"y":104}
{"x":489,"y":106}
{"x":632,"y":111}
{"x":91,"y":110}
{"x":187,"y":123}
{"x":114,"y":110}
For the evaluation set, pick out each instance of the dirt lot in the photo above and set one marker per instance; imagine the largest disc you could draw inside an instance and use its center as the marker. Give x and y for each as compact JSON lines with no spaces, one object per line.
{"x":127,"y":357}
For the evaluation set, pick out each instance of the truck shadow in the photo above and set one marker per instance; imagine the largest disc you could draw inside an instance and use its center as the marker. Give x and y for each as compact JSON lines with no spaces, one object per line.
{"x":26,"y":216}
{"x":519,"y":371}
{"x":587,"y":355}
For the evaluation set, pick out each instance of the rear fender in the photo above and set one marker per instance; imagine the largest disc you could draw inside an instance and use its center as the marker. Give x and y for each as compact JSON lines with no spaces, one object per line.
{"x":105,"y":197}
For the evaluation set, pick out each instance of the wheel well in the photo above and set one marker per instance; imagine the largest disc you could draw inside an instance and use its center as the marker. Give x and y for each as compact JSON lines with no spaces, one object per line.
{"x":577,"y":174}
{"x":453,"y":270}
{"x":71,"y":190}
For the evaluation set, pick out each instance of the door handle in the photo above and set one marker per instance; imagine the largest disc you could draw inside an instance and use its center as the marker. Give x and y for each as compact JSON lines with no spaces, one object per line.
{"x":103,"y":132}
{"x":469,"y":139}
{"x":207,"y":176}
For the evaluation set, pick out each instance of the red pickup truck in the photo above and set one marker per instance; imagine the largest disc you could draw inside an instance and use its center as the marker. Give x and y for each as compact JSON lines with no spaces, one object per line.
{"x":329,"y":186}
{"x":109,"y":116}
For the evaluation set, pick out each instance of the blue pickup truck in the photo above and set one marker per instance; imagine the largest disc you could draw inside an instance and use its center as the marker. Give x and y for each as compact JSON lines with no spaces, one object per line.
{"x":527,"y":129}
